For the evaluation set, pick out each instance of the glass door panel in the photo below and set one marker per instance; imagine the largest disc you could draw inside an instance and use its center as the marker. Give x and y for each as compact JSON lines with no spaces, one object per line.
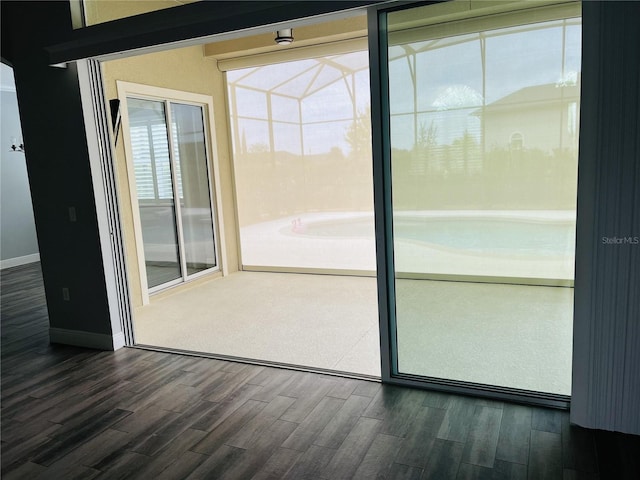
{"x":154,"y":189}
{"x":169,"y":157}
{"x":193,"y":187}
{"x":484,"y":144}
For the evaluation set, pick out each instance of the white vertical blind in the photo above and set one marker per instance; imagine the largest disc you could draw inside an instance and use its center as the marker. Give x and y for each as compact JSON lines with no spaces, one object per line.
{"x":150,"y":150}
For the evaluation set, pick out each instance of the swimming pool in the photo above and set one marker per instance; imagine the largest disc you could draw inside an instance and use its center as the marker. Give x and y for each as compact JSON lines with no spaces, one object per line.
{"x":482,"y":235}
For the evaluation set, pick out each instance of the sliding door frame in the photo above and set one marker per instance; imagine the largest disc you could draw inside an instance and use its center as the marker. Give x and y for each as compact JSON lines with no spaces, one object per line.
{"x":167,"y":97}
{"x":380,"y":128}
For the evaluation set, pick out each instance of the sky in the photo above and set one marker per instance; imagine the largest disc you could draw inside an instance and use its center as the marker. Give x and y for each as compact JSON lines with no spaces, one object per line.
{"x":321,"y":99}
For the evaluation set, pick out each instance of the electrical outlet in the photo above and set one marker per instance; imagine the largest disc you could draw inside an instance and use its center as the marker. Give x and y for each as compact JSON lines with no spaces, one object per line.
{"x":72,"y":214}
{"x":65,"y":294}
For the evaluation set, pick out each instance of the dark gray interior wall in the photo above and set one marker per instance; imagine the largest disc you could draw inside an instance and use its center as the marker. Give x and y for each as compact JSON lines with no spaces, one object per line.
{"x":58,"y":165}
{"x":606,"y":380}
{"x":17,"y":226}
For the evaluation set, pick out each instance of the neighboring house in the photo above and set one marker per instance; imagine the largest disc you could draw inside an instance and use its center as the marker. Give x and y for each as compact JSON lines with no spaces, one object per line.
{"x":528,"y":119}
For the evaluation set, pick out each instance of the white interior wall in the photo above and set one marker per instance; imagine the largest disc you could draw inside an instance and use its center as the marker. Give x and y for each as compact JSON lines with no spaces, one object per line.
{"x":18,"y":242}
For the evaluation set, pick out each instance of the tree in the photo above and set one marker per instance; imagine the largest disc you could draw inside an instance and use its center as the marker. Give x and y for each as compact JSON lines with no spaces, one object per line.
{"x":466,"y":148}
{"x":423,"y":149}
{"x":427,"y":137}
{"x":358,"y":134}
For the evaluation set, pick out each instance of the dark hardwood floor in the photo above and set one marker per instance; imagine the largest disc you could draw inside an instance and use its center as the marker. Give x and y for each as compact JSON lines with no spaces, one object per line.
{"x":73,"y":413}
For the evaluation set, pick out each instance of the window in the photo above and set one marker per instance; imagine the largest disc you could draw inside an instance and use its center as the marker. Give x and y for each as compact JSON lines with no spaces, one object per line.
{"x":516,"y":141}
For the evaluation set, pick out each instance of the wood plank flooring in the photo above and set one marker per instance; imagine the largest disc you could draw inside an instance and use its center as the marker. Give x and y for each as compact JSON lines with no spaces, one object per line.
{"x":73,"y":413}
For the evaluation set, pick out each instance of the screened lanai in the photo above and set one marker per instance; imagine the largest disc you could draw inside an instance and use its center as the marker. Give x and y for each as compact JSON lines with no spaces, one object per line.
{"x":484,"y":142}
{"x":476,"y":129}
{"x":289,"y":150}
{"x":467,"y":211}
{"x":302,"y":157}
{"x":484,"y":154}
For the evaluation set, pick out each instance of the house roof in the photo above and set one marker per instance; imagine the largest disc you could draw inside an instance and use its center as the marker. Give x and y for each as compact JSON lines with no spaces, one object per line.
{"x":534,"y":95}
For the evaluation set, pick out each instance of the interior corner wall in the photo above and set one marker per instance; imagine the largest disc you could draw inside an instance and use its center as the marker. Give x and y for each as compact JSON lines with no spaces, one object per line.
{"x":59,"y":171}
{"x":606,"y":359}
{"x":18,"y":242}
{"x":184,"y":69}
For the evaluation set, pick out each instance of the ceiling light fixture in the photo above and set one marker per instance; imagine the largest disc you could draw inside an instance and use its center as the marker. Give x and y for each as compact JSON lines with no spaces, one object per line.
{"x":284,"y":36}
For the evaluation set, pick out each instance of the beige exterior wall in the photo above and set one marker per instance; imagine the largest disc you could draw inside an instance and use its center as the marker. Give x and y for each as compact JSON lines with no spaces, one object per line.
{"x":195,"y":70}
{"x":184,"y":69}
{"x":100,"y":11}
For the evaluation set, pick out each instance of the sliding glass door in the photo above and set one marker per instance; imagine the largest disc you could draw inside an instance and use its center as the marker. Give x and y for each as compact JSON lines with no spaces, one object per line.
{"x":481,"y":150}
{"x":169,"y":159}
{"x":192,"y":174}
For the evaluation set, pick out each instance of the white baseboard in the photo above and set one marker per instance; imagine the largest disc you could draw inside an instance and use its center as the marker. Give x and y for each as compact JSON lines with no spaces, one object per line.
{"x":16,"y":261}
{"x":118,"y":341}
{"x":78,"y":338}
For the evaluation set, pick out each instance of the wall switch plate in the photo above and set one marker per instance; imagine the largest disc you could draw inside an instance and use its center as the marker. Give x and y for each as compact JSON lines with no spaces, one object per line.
{"x":72,"y":214}
{"x":65,"y":294}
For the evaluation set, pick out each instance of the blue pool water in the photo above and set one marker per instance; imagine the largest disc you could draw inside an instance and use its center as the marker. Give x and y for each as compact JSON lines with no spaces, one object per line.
{"x":481,"y":235}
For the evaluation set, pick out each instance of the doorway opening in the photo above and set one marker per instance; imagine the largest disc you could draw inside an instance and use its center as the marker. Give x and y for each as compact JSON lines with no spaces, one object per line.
{"x":273,"y":287}
{"x":18,"y":241}
{"x":437,"y":142}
